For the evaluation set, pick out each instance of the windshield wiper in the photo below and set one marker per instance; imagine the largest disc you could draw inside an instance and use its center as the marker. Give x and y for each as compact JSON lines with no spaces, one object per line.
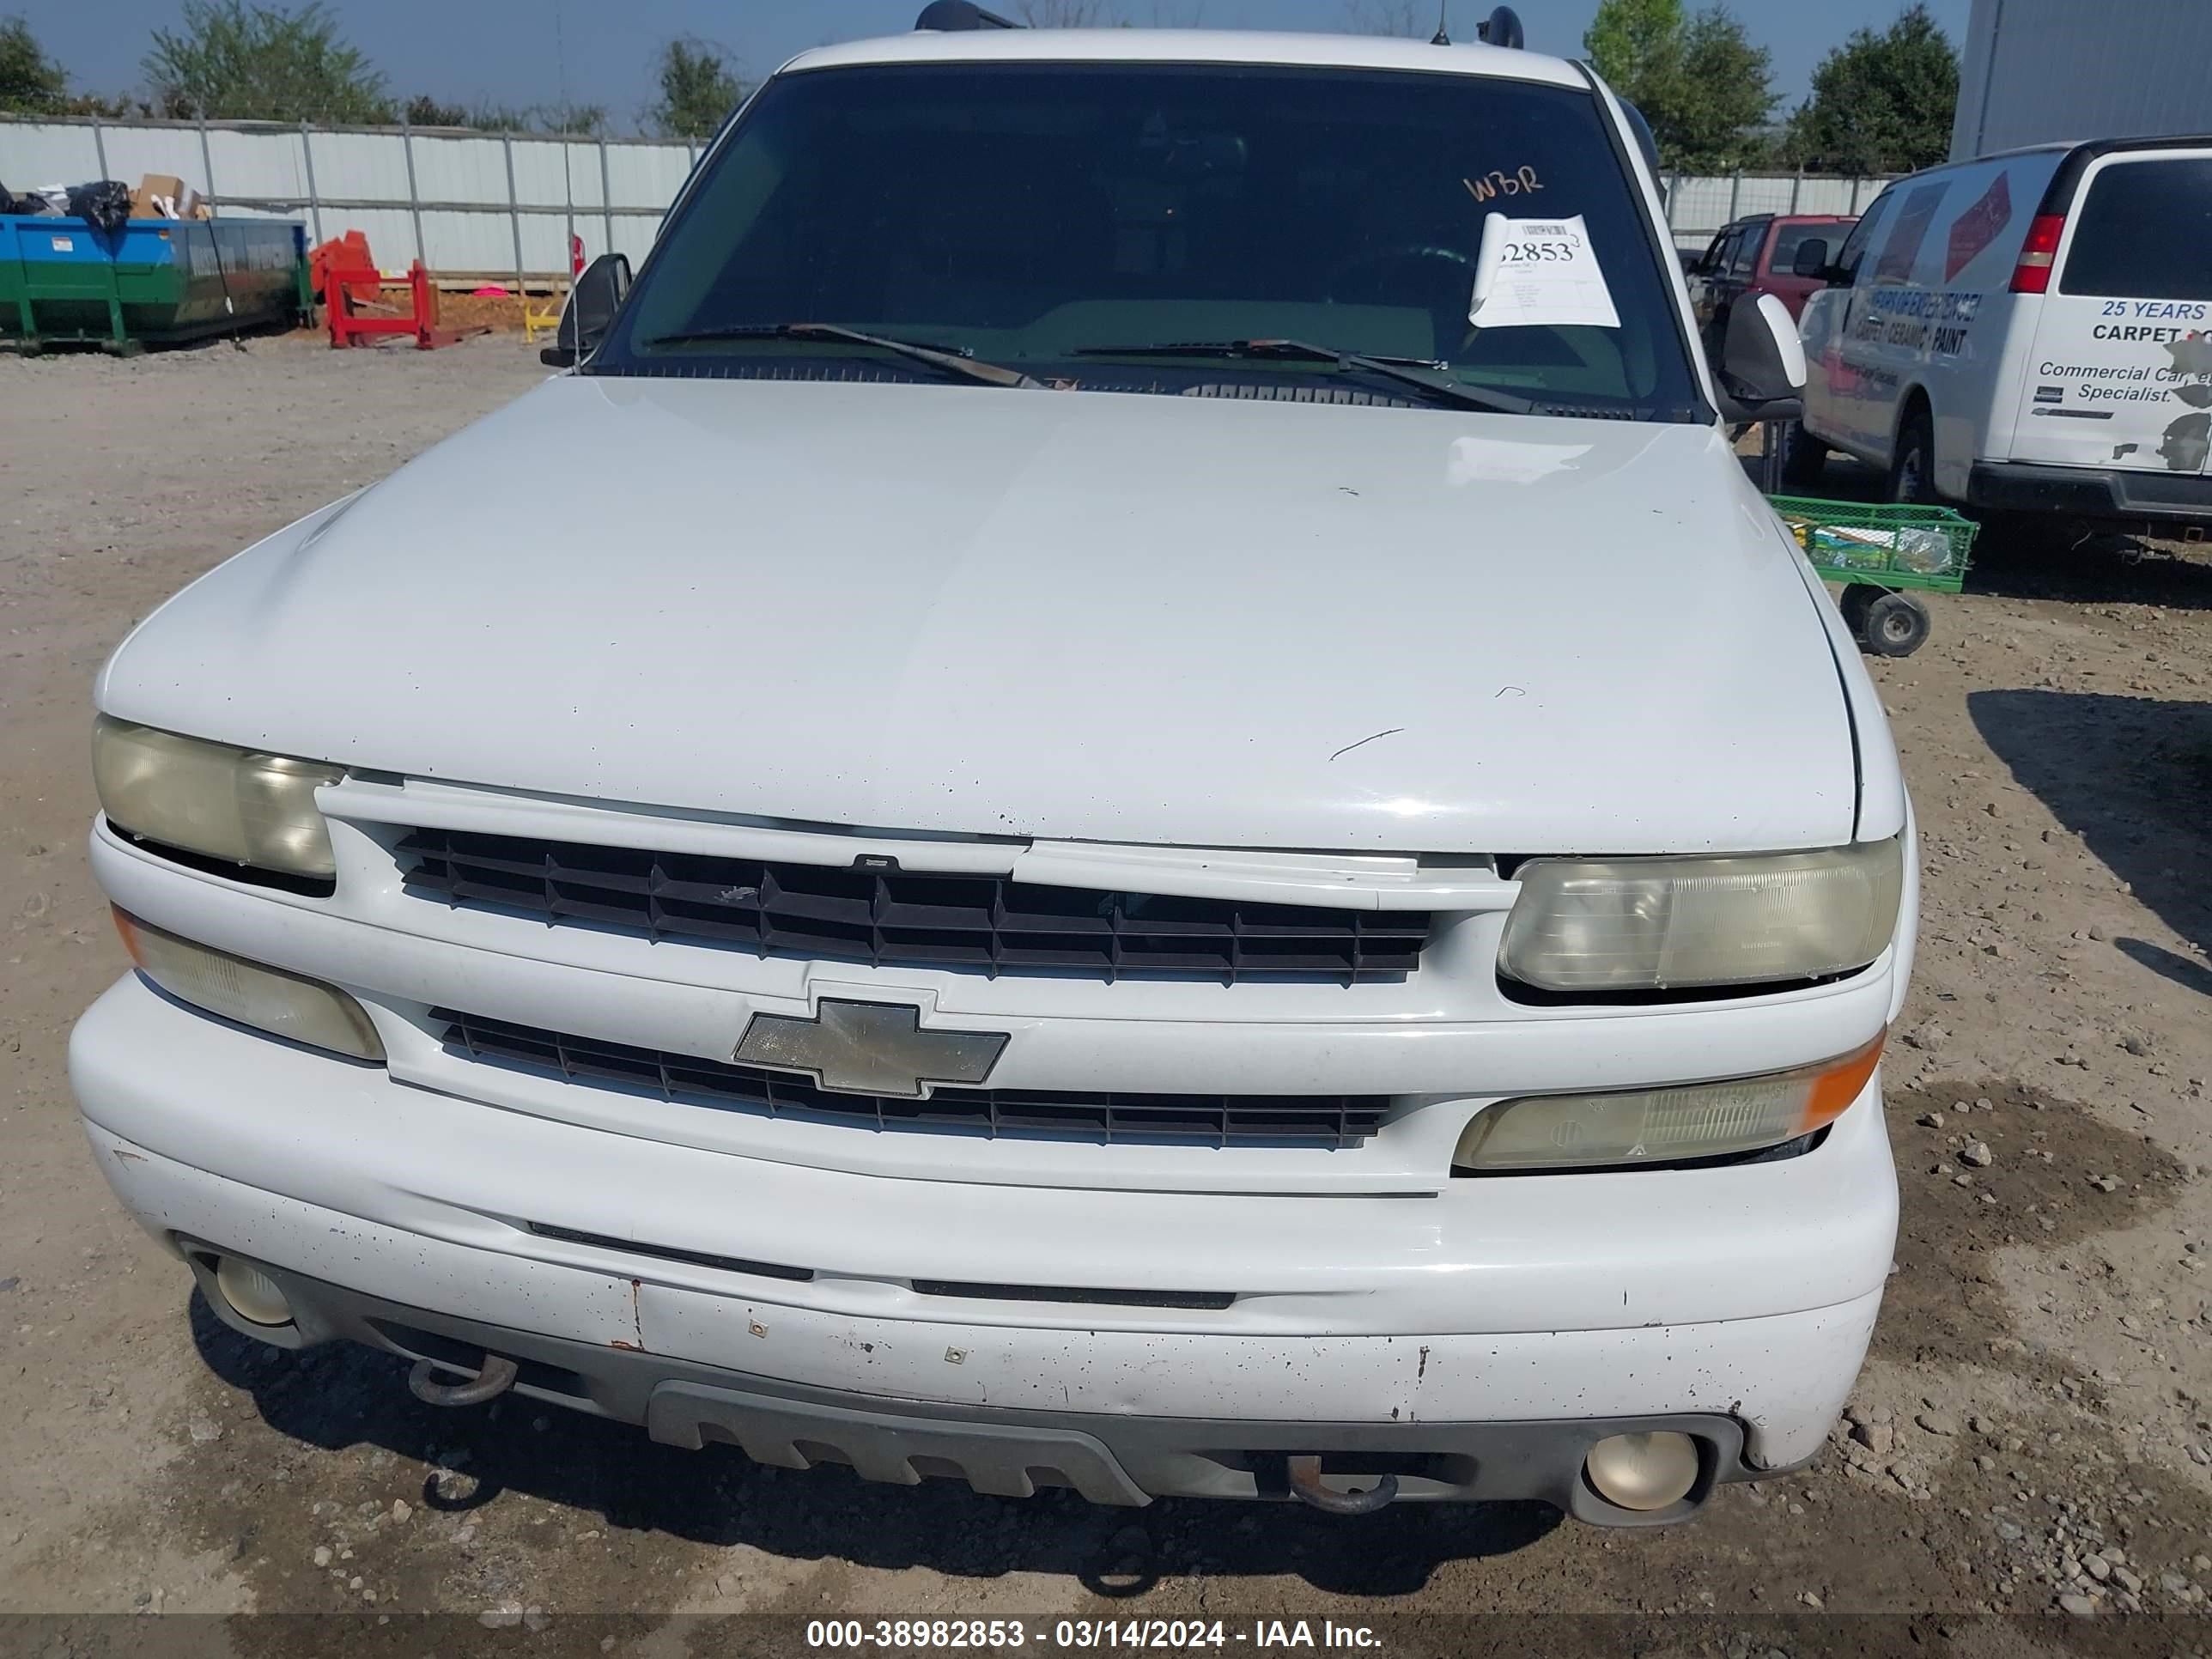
{"x":952,"y":360}
{"x":1423,"y":374}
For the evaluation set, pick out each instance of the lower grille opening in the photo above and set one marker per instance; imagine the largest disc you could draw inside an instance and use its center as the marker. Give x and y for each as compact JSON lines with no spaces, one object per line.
{"x":528,"y":1373}
{"x":1270,"y":1470}
{"x":729,"y":1264}
{"x":1205,"y":1301}
{"x":1328,"y":1121}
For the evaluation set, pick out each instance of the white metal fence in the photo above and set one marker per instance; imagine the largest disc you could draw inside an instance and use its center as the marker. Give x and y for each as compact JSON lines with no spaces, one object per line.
{"x":466,"y":204}
{"x":1696,"y":207}
{"x":504,"y":204}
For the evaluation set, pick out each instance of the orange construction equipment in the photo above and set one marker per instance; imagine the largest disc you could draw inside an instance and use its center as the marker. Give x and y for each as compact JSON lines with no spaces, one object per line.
{"x":350,"y":251}
{"x":350,"y":328}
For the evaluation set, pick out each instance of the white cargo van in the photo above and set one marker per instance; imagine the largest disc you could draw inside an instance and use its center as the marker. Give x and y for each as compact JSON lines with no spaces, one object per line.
{"x":2029,"y":332}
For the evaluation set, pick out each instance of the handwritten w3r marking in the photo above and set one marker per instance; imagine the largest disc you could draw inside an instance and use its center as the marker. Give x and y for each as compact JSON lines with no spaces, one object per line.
{"x":1485,"y":185}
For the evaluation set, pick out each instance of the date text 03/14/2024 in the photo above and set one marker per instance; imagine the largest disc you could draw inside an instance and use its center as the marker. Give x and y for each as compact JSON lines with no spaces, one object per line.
{"x":1261,"y":1635}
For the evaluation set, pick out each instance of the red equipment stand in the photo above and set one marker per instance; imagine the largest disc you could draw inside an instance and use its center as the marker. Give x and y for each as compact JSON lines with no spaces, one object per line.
{"x":348,"y":328}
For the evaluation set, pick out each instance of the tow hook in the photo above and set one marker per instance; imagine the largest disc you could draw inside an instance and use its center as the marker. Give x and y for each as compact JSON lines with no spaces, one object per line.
{"x":1305,"y":1483}
{"x":496,"y":1377}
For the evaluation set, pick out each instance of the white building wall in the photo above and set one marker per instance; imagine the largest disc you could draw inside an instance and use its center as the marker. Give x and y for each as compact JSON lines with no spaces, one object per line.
{"x":2042,"y":71}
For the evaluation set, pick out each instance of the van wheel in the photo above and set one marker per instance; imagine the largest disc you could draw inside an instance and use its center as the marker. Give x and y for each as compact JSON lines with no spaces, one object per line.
{"x":1804,"y":457}
{"x":1895,"y":625}
{"x":1912,"y":469}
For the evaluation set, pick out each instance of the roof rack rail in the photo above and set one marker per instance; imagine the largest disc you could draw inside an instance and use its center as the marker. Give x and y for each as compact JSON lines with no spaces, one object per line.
{"x":948,"y":16}
{"x":1502,"y":29}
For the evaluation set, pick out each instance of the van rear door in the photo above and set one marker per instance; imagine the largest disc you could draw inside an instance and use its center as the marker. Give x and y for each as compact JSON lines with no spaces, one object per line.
{"x":2120,"y":371}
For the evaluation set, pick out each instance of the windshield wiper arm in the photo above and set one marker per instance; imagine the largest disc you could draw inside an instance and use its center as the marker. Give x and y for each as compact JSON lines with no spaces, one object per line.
{"x":950,"y":360}
{"x":1248,"y":349}
{"x":1423,"y":374}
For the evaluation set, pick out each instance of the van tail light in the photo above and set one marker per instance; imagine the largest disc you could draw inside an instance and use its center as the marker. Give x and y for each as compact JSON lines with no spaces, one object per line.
{"x":2032,"y":274}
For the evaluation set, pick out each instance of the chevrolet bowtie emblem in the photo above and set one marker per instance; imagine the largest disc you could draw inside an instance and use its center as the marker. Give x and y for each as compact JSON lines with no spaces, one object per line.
{"x":869,"y":1048}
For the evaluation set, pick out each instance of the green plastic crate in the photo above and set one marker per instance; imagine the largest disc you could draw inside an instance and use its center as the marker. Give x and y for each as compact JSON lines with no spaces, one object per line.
{"x":1887,"y":546}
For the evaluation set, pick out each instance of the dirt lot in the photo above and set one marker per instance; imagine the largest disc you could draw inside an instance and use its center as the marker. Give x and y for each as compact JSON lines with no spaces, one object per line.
{"x":2035,"y":1422}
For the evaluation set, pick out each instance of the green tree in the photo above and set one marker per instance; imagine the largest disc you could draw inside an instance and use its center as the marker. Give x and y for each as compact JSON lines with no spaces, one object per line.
{"x":241,"y":62}
{"x":698,"y":90}
{"x":1637,"y":45}
{"x":1717,"y":119}
{"x":1704,"y":88}
{"x":31,"y":83}
{"x":577,"y":120}
{"x":424,"y":111}
{"x":1881,"y":103}
{"x":121,"y":107}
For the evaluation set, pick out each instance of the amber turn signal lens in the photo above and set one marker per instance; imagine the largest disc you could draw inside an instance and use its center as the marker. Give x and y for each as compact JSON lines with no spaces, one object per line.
{"x":1835,"y":1088}
{"x":270,"y":999}
{"x":1664,"y":1126}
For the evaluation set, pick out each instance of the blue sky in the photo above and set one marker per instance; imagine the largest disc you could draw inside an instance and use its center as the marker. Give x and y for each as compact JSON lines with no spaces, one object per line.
{"x":504,"y":51}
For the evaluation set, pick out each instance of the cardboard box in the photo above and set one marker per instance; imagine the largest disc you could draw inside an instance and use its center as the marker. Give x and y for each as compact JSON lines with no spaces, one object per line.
{"x":158,"y":196}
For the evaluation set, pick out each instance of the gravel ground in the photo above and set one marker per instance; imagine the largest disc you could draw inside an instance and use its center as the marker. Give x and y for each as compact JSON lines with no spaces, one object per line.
{"x":2026,"y":1467}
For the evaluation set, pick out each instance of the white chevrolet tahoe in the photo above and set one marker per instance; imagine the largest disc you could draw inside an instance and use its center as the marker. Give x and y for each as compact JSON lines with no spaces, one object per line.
{"x":1079,"y":843}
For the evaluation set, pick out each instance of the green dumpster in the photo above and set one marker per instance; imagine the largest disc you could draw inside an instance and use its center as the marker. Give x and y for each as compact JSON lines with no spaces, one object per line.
{"x":150,"y":280}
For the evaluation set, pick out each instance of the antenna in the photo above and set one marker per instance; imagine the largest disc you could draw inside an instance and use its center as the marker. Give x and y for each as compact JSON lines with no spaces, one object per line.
{"x":567,"y":280}
{"x":1442,"y":39}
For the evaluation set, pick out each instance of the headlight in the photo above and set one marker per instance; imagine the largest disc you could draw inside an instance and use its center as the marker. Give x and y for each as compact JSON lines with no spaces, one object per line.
{"x":1662,"y":1125}
{"x":267,"y":999}
{"x":1651,"y":924}
{"x":208,"y":798}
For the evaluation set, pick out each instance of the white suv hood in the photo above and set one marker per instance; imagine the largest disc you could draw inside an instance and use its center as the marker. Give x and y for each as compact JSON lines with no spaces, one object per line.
{"x":1086,"y":616}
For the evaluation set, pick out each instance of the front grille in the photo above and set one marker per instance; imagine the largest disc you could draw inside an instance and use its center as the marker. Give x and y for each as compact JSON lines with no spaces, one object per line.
{"x":892,"y":918}
{"x":1326,"y":1120}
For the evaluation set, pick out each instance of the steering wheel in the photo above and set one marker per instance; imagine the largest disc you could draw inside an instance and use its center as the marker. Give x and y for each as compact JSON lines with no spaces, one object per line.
{"x":1402,"y":253}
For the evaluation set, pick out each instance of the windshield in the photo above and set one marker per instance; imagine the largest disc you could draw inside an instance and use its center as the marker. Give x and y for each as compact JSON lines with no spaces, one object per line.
{"x":1058,"y":218}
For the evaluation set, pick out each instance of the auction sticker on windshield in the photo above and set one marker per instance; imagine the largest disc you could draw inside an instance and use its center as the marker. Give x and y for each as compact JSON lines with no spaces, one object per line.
{"x":1534,"y":273}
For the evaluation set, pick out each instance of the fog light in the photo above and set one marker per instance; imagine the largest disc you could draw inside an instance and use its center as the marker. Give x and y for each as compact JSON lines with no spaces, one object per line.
{"x":252,"y":1294}
{"x":1643,"y":1471}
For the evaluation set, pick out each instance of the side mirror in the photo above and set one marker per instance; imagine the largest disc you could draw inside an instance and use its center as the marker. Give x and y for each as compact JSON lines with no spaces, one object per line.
{"x":1762,"y":366}
{"x":593,"y":302}
{"x":1812,"y":258}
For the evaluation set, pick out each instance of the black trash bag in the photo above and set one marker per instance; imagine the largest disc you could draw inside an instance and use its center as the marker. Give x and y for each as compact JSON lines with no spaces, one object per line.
{"x":8,"y":202}
{"x":105,"y":206}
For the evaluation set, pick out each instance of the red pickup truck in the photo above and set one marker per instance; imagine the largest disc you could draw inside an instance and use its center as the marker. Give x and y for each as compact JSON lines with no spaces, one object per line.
{"x":1754,"y":255}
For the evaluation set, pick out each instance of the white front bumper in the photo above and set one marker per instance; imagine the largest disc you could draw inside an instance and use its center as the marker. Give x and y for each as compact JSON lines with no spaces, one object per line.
{"x":1749,"y":1292}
